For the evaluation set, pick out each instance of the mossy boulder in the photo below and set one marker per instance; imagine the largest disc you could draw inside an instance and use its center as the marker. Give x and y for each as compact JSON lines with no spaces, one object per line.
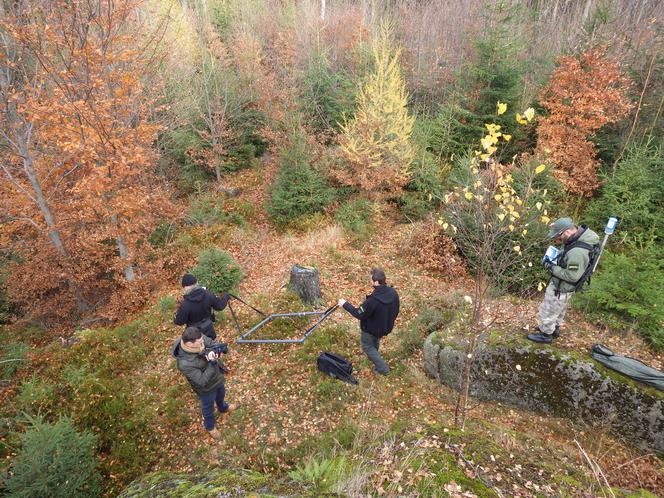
{"x":549,"y":381}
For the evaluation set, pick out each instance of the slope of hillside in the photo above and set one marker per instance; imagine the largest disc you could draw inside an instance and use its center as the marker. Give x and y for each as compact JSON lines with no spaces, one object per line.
{"x":298,"y":431}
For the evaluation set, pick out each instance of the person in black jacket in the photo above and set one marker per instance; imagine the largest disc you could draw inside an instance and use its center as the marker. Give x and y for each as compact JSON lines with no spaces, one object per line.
{"x":196,"y":308}
{"x":377,"y":315}
{"x":204,"y":373}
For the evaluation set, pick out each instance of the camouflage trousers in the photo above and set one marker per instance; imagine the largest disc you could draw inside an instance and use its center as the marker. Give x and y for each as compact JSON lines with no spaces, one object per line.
{"x":552,"y":310}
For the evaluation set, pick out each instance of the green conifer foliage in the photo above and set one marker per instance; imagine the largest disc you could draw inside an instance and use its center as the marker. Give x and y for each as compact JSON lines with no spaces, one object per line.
{"x":218,"y":271}
{"x":300,"y":189}
{"x":55,"y":461}
{"x":495,"y":75}
{"x":377,"y":141}
{"x":326,"y":95}
{"x":634,"y":194}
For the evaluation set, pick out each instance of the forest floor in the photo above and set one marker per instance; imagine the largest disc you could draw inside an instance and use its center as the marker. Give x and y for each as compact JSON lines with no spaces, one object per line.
{"x":288,"y":411}
{"x":394,"y":435}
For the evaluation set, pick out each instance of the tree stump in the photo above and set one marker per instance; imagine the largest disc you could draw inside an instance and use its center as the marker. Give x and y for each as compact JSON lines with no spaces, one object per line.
{"x":304,"y":280}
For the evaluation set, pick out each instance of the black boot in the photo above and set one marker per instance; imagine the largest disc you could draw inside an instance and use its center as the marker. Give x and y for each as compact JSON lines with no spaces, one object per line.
{"x":556,"y":332}
{"x":541,"y":338}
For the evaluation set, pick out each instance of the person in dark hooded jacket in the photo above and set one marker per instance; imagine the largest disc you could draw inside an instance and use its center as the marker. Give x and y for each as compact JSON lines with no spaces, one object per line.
{"x":204,"y":373}
{"x":377,"y":315}
{"x":196,"y":308}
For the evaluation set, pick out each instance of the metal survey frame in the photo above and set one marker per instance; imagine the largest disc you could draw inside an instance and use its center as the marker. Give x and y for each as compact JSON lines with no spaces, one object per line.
{"x":268,"y":318}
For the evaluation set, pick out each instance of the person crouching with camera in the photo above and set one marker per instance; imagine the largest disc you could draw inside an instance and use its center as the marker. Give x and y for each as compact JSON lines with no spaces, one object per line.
{"x":198,"y":359}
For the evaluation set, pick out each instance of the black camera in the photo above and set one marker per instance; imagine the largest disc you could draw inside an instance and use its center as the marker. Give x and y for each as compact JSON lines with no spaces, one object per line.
{"x":218,"y":347}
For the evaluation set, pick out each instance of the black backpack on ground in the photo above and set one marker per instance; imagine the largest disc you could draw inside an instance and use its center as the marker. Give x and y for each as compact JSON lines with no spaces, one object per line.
{"x":336,"y":366}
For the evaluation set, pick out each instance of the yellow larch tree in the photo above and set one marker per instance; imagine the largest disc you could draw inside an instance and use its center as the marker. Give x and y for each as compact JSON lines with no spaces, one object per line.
{"x":376,"y":142}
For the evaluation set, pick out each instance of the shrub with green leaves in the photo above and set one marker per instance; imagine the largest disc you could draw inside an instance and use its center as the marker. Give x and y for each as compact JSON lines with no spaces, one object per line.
{"x":188,"y":173}
{"x":425,"y":188}
{"x":355,"y":217}
{"x":167,"y":304}
{"x":5,"y":305}
{"x":95,"y":386}
{"x":55,"y":461}
{"x":429,"y":320}
{"x":163,"y":234}
{"x":36,"y":395}
{"x":299,"y":189}
{"x":217,"y":270}
{"x":630,"y":286}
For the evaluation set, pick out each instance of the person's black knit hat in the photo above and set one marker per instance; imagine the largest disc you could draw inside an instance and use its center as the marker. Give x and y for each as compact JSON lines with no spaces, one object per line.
{"x":188,"y":279}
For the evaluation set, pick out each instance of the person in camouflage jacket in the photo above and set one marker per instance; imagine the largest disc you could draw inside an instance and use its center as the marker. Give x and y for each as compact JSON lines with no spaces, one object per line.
{"x":566,"y":272}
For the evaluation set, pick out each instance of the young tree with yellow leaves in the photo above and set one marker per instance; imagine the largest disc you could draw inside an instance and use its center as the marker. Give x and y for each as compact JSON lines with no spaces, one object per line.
{"x":489,"y":220}
{"x":377,"y":141}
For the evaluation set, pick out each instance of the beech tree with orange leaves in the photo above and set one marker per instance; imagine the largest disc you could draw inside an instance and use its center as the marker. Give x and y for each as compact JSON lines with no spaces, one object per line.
{"x":584,"y":94}
{"x":79,"y":197}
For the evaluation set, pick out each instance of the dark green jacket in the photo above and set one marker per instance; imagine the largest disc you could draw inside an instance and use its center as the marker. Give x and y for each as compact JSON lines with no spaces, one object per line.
{"x":203,"y":376}
{"x":572,"y":263}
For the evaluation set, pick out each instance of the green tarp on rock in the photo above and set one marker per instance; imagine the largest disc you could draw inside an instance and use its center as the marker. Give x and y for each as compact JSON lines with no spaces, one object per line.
{"x":630,"y":367}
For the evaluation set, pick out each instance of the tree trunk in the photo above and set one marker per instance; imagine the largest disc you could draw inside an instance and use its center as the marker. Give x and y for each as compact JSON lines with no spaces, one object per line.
{"x":217,"y":171}
{"x":586,"y":11}
{"x":304,"y":280}
{"x":53,"y":232}
{"x":124,"y":252}
{"x":461,"y":408}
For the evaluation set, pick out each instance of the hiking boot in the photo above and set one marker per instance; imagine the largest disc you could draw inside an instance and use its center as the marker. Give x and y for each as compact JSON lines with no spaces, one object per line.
{"x":378,"y":372}
{"x":541,"y":338}
{"x":554,"y":335}
{"x":231,"y":407}
{"x":215,"y":434}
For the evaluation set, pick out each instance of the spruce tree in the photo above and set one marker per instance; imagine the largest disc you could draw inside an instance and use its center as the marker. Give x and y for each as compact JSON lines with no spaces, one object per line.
{"x":55,"y":461}
{"x":495,"y":75}
{"x":299,"y":188}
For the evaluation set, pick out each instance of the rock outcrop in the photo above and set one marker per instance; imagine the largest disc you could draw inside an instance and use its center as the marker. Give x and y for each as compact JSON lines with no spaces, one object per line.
{"x":549,"y":381}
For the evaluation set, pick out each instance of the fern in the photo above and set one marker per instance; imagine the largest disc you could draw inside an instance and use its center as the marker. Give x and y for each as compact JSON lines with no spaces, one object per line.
{"x":323,"y":474}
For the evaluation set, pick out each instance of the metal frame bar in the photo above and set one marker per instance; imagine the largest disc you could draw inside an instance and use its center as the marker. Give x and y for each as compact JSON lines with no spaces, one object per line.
{"x":323,"y":315}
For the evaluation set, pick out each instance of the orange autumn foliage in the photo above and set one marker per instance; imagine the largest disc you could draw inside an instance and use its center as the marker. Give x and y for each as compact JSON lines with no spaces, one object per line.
{"x":584,"y":94}
{"x":79,"y":196}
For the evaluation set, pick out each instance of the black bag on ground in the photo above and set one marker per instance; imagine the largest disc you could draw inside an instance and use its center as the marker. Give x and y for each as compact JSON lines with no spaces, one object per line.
{"x":336,"y":366}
